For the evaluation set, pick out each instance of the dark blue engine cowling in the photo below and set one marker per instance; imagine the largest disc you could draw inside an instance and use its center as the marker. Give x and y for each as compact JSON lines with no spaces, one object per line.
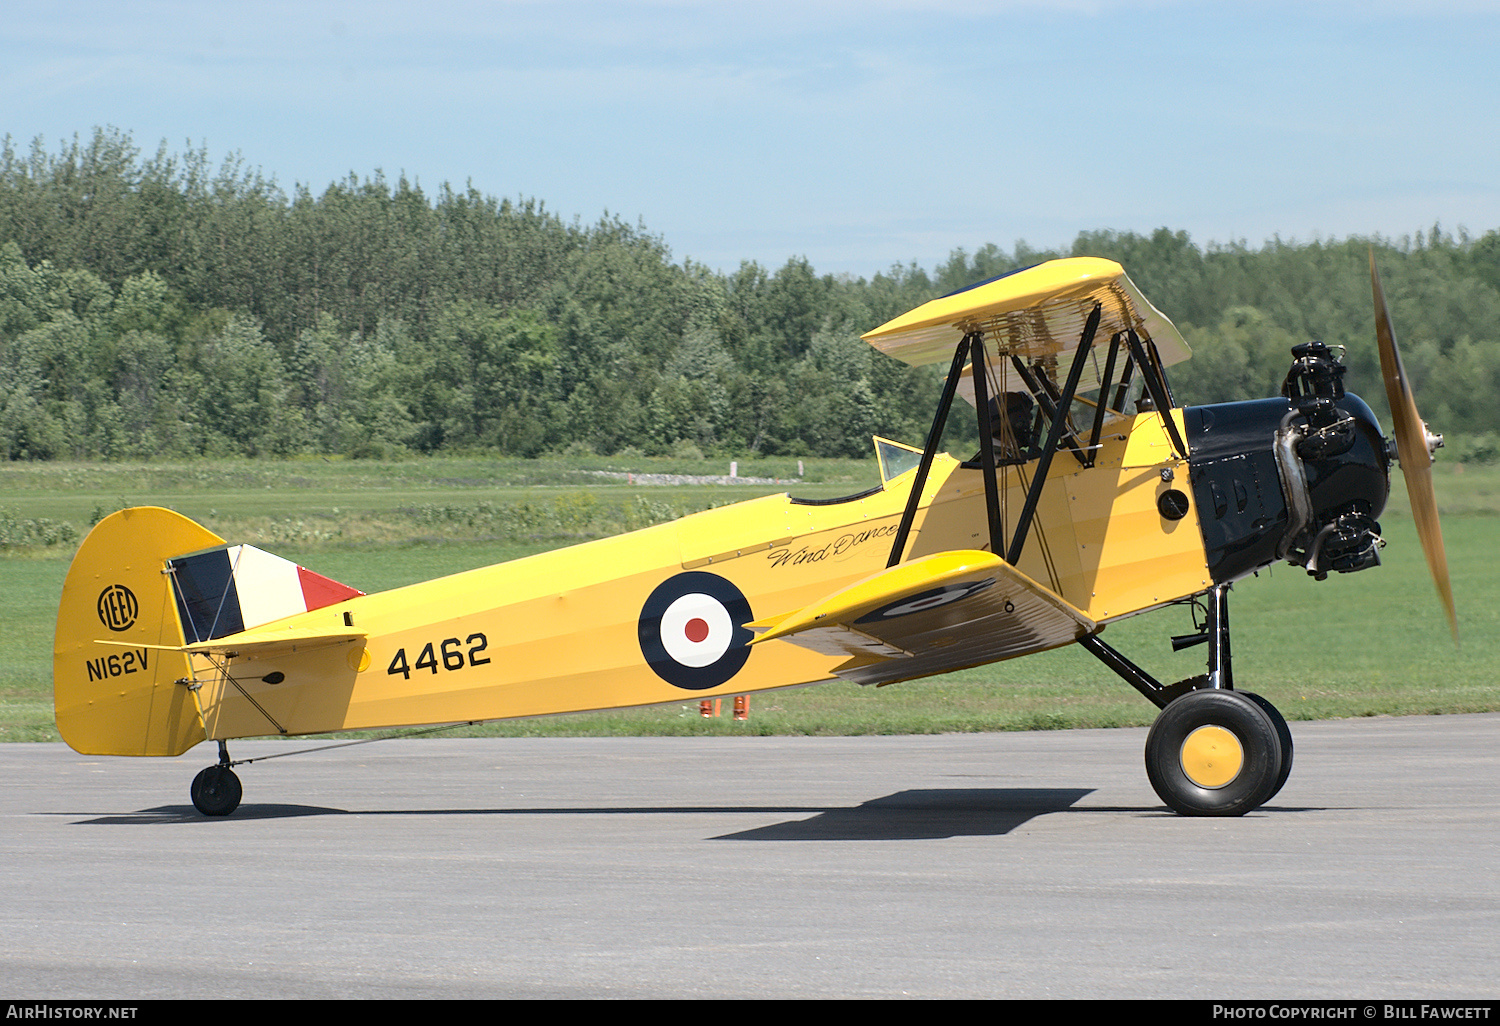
{"x":1272,"y":482}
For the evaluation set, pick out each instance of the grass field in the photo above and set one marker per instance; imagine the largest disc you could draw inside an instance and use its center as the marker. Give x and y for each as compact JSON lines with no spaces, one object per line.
{"x":1365,"y":644}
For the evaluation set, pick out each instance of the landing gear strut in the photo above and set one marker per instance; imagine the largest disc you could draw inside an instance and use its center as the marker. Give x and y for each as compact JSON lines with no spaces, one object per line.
{"x":1213,"y":751}
{"x":216,"y":791}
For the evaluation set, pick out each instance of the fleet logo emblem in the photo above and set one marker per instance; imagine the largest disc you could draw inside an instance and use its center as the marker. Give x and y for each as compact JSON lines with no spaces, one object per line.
{"x":118,"y":607}
{"x":690,"y":630}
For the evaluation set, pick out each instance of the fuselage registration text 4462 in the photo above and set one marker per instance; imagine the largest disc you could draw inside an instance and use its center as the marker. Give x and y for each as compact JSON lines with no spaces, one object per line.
{"x":449,"y":654}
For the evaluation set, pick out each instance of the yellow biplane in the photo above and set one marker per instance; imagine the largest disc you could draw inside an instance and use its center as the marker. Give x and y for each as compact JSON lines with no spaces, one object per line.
{"x":1093,"y":497}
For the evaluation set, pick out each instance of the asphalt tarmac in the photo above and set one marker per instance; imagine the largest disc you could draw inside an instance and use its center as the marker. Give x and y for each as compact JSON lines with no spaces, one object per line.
{"x":1016,"y":865}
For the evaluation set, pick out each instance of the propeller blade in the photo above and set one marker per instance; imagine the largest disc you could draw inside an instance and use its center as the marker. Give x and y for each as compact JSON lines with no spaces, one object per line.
{"x":1412,"y":450}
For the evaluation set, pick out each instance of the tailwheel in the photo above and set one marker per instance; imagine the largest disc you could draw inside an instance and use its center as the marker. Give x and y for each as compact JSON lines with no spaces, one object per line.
{"x":216,"y":791}
{"x":1215,"y":752}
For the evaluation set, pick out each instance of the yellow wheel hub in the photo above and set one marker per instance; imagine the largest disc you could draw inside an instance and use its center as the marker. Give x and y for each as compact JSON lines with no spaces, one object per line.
{"x":1212,"y":756}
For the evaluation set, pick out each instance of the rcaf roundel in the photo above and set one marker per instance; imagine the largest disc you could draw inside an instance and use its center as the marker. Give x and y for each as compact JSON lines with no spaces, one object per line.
{"x":691,"y":633}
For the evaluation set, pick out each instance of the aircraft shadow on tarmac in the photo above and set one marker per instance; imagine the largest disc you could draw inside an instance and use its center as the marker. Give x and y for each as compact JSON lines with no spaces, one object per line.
{"x":922,"y":814}
{"x":905,"y":815}
{"x":164,"y":814}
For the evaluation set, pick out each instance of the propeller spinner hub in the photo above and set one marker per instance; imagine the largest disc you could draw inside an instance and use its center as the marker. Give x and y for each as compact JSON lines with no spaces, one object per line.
{"x":1434,"y":442}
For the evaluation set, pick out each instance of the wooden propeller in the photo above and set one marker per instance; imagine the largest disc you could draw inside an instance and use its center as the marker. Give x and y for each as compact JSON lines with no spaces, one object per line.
{"x":1414,"y":449}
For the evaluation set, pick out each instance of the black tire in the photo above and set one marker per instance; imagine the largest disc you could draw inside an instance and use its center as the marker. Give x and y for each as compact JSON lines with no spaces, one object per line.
{"x":1213,"y":752}
{"x":1283,"y":732}
{"x":216,"y":791}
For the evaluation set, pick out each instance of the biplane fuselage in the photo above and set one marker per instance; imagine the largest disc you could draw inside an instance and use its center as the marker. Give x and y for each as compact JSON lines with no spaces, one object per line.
{"x":1086,"y":504}
{"x":562,"y":631}
{"x":571,"y":630}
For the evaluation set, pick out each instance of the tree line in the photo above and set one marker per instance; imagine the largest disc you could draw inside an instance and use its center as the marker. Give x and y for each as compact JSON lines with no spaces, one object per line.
{"x":165,"y":305}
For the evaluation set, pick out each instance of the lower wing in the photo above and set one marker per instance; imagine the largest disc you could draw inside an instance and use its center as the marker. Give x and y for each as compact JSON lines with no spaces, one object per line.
{"x":931,"y":615}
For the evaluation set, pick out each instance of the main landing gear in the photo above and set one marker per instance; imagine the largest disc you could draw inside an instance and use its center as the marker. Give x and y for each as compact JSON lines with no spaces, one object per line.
{"x":217,"y":791}
{"x":1216,"y":752}
{"x":1213,"y":751}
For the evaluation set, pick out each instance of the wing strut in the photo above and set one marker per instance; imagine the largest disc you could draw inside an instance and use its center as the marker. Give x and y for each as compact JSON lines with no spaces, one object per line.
{"x":934,"y":438}
{"x":1103,"y":405}
{"x":1059,"y":420}
{"x":981,"y":373}
{"x":1156,"y":387}
{"x":1057,"y":407}
{"x":1048,"y":398}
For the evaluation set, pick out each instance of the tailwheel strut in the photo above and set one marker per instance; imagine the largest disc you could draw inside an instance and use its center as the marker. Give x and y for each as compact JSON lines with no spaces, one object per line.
{"x":216,"y":791}
{"x":1212,"y":751}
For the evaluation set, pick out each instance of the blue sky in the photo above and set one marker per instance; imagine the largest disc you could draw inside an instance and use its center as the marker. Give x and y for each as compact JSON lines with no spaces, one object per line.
{"x":857,"y":134}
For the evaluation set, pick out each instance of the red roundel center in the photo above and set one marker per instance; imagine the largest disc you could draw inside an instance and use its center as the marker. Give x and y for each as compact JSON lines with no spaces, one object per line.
{"x":696,"y":629}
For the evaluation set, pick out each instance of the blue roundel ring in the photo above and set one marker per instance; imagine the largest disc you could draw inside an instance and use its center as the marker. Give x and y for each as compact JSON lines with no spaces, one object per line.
{"x":691,"y":630}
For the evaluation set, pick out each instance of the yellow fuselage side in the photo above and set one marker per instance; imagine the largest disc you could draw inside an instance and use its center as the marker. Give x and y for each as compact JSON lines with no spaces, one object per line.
{"x":561,"y":631}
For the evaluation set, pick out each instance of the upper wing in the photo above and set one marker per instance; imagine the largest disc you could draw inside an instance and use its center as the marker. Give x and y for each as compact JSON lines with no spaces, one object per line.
{"x":931,"y":615}
{"x":1033,"y":313}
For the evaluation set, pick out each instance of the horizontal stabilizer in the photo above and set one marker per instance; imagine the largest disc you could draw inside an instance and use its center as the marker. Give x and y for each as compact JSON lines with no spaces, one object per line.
{"x":269,"y":643}
{"x":255,"y":643}
{"x":931,"y":615}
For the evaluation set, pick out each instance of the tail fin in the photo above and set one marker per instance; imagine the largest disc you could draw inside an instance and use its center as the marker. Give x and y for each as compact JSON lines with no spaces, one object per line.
{"x":148,"y":582}
{"x":113,"y":700}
